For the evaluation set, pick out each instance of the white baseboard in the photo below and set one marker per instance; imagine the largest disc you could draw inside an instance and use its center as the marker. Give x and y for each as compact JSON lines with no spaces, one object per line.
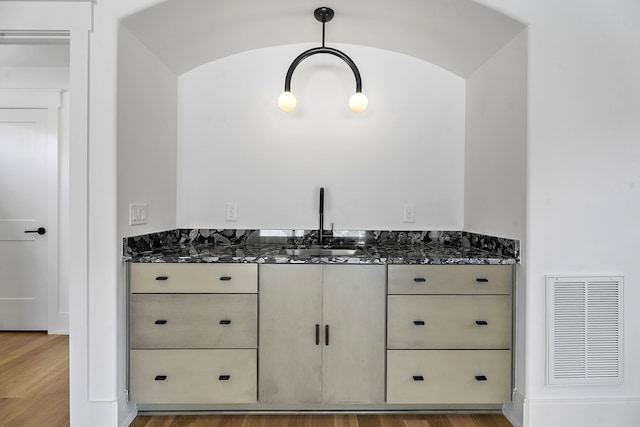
{"x":59,"y":324}
{"x":127,"y":411}
{"x":587,"y":412}
{"x":514,"y":410}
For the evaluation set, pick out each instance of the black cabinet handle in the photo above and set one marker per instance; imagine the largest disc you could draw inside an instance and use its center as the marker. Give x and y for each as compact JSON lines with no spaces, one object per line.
{"x":317,"y":334}
{"x":162,"y":278}
{"x":419,"y":279}
{"x":418,"y":322}
{"x":160,"y":377}
{"x":418,"y":378}
{"x":224,"y":377}
{"x":481,"y":322}
{"x":40,"y":231}
{"x":161,"y":322}
{"x":225,"y":278}
{"x":326,"y":334}
{"x":481,"y":378}
{"x":482,"y":280}
{"x":225,"y":322}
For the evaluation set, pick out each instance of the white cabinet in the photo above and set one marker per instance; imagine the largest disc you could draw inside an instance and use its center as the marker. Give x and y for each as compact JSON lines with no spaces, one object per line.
{"x":322,"y":334}
{"x":449,"y":334}
{"x":193,"y":333}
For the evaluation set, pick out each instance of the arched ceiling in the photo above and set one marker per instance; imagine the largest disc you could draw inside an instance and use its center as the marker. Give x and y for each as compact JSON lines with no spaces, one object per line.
{"x":457,"y":35}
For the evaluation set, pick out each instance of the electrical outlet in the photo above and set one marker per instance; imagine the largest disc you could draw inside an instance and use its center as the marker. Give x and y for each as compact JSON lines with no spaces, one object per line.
{"x":409,"y":213}
{"x":231,"y":213}
{"x":137,"y":213}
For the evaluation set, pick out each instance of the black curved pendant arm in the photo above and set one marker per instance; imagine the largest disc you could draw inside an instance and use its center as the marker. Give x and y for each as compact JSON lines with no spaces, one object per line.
{"x":329,"y":50}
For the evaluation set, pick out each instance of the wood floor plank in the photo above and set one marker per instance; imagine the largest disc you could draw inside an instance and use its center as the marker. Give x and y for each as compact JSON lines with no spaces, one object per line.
{"x":491,"y":420}
{"x":346,"y":421}
{"x":35,"y":371}
{"x":438,"y":421}
{"x":463,"y":420}
{"x":34,"y":385}
{"x":373,"y":420}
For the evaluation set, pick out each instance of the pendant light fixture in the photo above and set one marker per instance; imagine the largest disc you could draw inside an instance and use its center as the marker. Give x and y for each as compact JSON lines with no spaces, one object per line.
{"x":358,"y":101}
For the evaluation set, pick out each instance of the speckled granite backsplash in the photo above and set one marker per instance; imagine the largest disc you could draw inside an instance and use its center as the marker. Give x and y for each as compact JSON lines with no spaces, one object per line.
{"x":197,"y":238}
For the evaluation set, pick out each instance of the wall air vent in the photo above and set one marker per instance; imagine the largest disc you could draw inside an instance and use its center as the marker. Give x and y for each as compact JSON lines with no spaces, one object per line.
{"x":584,"y":330}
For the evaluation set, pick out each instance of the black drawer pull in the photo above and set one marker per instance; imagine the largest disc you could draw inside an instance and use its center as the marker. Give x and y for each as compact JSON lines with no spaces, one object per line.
{"x":224,"y":377}
{"x":160,"y":377}
{"x":418,"y":378}
{"x":225,"y":278}
{"x":419,"y":279}
{"x":418,"y":322}
{"x":161,"y":322}
{"x":225,"y":322}
{"x":481,"y":322}
{"x":482,"y":280}
{"x":162,"y":278}
{"x":481,"y":378}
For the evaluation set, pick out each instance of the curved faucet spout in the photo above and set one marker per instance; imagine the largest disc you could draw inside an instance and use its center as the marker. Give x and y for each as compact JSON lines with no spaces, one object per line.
{"x":321,"y":214}
{"x":321,"y":233}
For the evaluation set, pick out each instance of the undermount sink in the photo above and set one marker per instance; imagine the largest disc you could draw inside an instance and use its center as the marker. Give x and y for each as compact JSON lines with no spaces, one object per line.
{"x":323,"y":251}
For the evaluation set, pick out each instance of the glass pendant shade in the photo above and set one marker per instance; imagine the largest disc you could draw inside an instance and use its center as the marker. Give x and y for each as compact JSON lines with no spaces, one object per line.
{"x":358,"y":102}
{"x":287,"y":101}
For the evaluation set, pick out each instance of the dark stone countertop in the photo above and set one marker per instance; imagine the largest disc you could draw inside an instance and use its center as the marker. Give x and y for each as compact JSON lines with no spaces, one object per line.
{"x":189,"y":246}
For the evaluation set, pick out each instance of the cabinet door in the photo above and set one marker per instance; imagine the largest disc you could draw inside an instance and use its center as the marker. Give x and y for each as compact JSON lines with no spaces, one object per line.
{"x":354,"y":312}
{"x":290,"y":358}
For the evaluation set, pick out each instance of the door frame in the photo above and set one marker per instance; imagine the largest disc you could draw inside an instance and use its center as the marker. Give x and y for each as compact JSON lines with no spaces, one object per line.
{"x":57,"y":320}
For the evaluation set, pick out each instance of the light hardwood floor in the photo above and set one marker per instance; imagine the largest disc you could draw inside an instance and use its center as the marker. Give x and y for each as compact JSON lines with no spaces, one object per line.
{"x":34,"y":391}
{"x":34,"y":379}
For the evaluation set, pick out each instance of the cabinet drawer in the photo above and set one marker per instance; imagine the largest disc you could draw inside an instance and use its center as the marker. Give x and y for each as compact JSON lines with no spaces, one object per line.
{"x":193,"y":321}
{"x":448,"y":376}
{"x":450,"y":279}
{"x":193,"y":376}
{"x":193,"y":278}
{"x":449,"y":321}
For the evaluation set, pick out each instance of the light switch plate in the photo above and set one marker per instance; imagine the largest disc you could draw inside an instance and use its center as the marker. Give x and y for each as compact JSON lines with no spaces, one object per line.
{"x":231,"y":212}
{"x":137,"y":213}
{"x":409,"y":213}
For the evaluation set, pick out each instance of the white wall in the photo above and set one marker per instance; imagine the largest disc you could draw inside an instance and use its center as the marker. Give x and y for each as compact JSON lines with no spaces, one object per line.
{"x":584,"y":172}
{"x":235,"y":145}
{"x":34,"y":77}
{"x":495,"y":150}
{"x":147,"y":137}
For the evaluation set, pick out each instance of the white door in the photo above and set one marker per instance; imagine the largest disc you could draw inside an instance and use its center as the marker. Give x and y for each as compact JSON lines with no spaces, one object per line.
{"x":23,"y":210}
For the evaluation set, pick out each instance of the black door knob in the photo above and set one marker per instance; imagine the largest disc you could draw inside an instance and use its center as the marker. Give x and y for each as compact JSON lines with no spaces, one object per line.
{"x":40,"y":231}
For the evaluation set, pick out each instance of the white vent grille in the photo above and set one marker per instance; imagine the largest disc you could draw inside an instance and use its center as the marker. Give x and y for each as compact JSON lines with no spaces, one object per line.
{"x":584,"y":316}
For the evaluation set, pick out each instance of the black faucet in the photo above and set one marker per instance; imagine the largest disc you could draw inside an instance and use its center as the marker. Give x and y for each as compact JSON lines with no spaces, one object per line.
{"x":321,"y":233}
